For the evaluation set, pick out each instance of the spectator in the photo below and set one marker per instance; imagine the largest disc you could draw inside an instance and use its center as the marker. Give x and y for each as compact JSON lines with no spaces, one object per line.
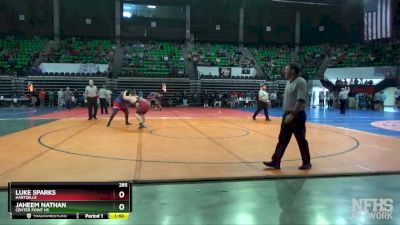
{"x":321,"y":99}
{"x":51,"y":98}
{"x":357,"y":97}
{"x":369,"y":101}
{"x":109,"y":94}
{"x":356,"y":82}
{"x":273,"y":99}
{"x":60,"y":98}
{"x":42,"y":98}
{"x":77,"y":101}
{"x":68,"y":98}
{"x":34,"y":96}
{"x":331,"y":99}
{"x":210,"y":98}
{"x":397,"y":98}
{"x":103,"y":99}
{"x":205,"y":99}
{"x":185,"y":99}
{"x":218,"y":100}
{"x":313,"y":98}
{"x":377,"y":101}
{"x":337,"y":83}
{"x":370,"y":82}
{"x":233,"y":99}
{"x":351,"y":81}
{"x":177,"y":98}
{"x":383,"y":98}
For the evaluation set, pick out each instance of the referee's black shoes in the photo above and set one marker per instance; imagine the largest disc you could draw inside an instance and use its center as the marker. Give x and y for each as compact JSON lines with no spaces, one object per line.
{"x":306,"y":166}
{"x":273,"y":164}
{"x":277,"y":166}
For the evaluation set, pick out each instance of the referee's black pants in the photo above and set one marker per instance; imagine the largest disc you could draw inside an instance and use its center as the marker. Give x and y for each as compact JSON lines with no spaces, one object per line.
{"x":297,"y":127}
{"x":92,"y":107}
{"x":261,"y":106}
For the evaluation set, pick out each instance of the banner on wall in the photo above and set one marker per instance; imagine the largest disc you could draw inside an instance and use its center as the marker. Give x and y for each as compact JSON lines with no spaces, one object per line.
{"x":246,"y":71}
{"x":226,"y":71}
{"x":379,"y":72}
{"x":73,"y":68}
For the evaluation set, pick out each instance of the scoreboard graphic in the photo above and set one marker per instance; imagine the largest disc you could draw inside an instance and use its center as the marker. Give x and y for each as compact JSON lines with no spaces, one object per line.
{"x":69,"y":200}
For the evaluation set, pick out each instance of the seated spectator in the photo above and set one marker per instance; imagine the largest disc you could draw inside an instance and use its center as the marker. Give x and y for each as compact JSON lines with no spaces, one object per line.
{"x":356,"y":82}
{"x":337,"y":82}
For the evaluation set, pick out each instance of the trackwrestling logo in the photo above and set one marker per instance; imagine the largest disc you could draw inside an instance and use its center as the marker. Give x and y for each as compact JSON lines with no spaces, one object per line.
{"x":373,"y":208}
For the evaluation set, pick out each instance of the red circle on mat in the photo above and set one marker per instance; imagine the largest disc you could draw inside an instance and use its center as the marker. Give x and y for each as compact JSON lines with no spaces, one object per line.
{"x":387,"y":124}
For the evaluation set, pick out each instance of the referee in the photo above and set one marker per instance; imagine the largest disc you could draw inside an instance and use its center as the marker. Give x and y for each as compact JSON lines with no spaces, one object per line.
{"x":343,"y":96}
{"x":262,"y":102}
{"x":294,"y":118}
{"x":91,"y":94}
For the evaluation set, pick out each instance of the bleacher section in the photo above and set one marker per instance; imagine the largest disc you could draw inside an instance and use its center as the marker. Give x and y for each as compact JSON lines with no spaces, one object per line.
{"x":219,"y":55}
{"x":160,"y":59}
{"x":359,"y":55}
{"x":311,"y":56}
{"x":75,"y":50}
{"x":272,"y":60}
{"x":17,"y":55}
{"x":5,"y":86}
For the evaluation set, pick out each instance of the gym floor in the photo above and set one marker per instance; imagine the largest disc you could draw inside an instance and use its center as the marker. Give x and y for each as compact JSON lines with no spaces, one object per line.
{"x":198,"y":145}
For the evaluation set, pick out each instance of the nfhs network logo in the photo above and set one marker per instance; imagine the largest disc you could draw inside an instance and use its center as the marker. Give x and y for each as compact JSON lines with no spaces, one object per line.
{"x":373,"y":208}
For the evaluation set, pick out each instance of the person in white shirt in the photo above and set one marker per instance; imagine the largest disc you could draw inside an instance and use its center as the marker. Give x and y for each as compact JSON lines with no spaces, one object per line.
{"x":263,"y":102}
{"x":103,"y":100}
{"x":60,"y":100}
{"x":91,"y":94}
{"x":343,"y":96}
{"x":377,"y":101}
{"x":108,"y":97}
{"x":273,"y":99}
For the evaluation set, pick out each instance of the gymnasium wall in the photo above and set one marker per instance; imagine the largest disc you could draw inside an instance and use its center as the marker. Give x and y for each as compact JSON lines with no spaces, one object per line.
{"x":342,"y":20}
{"x":73,"y":15}
{"x":38,"y":17}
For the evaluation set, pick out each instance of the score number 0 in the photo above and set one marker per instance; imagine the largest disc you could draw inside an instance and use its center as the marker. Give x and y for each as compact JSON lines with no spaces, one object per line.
{"x":121,"y":194}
